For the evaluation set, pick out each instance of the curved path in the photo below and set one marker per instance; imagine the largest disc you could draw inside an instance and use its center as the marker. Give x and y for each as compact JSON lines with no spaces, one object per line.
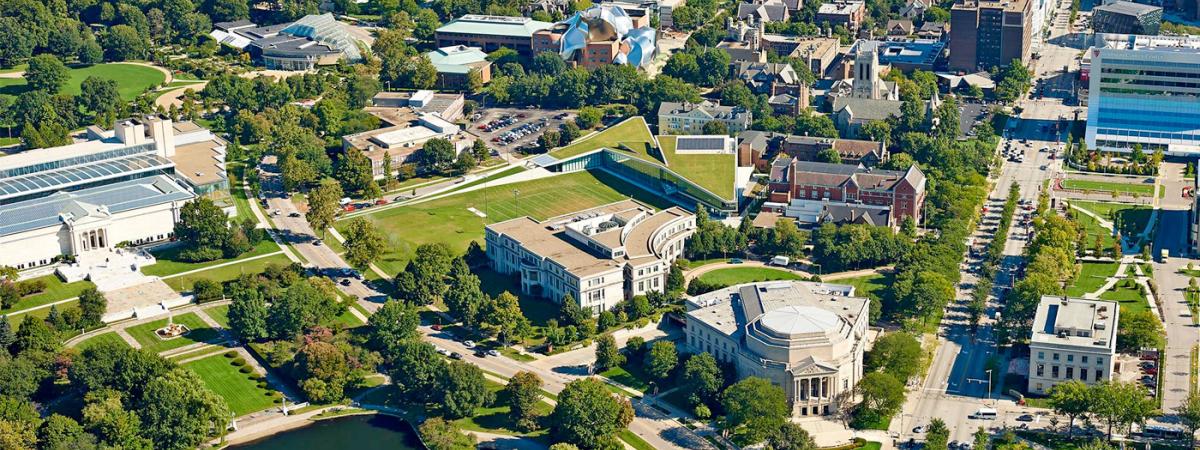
{"x":698,"y":271}
{"x":173,"y":96}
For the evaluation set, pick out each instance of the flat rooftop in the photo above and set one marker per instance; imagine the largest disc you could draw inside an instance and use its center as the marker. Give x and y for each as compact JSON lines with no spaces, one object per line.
{"x":1076,"y":322}
{"x":1143,"y":42}
{"x":1127,"y":8}
{"x":479,"y":24}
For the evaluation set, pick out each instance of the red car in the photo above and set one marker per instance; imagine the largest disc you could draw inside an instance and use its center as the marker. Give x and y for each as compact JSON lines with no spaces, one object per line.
{"x":381,"y":202}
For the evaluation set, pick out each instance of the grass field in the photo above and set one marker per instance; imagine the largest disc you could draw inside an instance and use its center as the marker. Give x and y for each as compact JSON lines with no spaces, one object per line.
{"x":738,"y":275}
{"x":634,"y":440}
{"x":132,"y":79}
{"x":101,"y":338}
{"x":1144,"y":189}
{"x":629,"y":374}
{"x":236,"y":172}
{"x":713,"y":172}
{"x":200,"y":332}
{"x":1091,"y":278}
{"x":872,"y":286}
{"x":1133,"y":219}
{"x":15,"y":319}
{"x":168,"y":262}
{"x":219,"y":313}
{"x":539,"y":311}
{"x":240,"y":390}
{"x":55,"y":290}
{"x":407,"y":227}
{"x":633,"y":133}
{"x":225,"y":273}
{"x":1130,"y":299}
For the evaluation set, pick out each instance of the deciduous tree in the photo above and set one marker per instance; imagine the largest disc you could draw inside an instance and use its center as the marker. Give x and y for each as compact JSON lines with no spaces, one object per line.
{"x":363,"y":243}
{"x":589,"y":415}
{"x":754,"y":408}
{"x":323,"y":205}
{"x":523,"y":392}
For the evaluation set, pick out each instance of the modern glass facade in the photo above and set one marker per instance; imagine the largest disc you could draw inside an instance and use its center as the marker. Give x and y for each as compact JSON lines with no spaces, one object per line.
{"x":1145,"y":90}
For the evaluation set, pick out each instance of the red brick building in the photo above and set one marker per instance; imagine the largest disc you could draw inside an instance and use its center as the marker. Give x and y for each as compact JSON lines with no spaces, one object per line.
{"x":794,"y":181}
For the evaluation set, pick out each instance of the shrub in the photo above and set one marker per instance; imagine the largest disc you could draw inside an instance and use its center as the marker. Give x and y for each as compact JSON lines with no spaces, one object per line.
{"x":230,"y":354}
{"x":26,"y":288}
{"x":238,"y":362}
{"x":245,"y":369}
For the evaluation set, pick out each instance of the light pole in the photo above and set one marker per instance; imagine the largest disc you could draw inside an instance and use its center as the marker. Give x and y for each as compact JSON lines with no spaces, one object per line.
{"x":989,"y":383}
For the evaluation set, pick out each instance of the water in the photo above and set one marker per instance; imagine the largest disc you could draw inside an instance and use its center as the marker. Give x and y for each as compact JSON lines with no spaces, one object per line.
{"x":373,"y":432}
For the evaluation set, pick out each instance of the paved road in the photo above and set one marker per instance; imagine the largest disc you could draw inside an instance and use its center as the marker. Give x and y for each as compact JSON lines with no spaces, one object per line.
{"x":1177,"y":318}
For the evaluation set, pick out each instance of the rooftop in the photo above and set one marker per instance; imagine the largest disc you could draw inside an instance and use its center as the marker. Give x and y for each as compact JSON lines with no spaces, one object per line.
{"x":786,"y":308}
{"x":494,"y":25}
{"x":1127,"y":8}
{"x":457,"y":59}
{"x":840,"y":7}
{"x":103,"y":200}
{"x":1076,"y":322}
{"x":1143,"y":42}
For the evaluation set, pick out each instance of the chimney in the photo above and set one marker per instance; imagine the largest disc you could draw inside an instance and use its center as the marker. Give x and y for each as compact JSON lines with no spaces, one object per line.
{"x":163,"y":135}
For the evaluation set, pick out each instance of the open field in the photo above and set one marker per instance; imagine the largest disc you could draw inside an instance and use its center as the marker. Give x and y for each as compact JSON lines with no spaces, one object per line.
{"x":219,"y":313}
{"x":1145,"y":189}
{"x":226,"y":273}
{"x":1091,"y":278}
{"x":55,"y":290}
{"x":168,"y":262}
{"x":407,"y":227}
{"x":200,"y":332}
{"x":870,"y":286}
{"x":131,"y":79}
{"x":240,"y":390}
{"x":102,"y":338}
{"x":1132,"y":219}
{"x":633,"y":133}
{"x":739,"y":275}
{"x":494,"y":419}
{"x":713,"y":172}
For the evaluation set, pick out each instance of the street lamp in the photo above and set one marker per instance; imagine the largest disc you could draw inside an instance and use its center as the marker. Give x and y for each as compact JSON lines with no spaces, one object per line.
{"x":989,"y":383}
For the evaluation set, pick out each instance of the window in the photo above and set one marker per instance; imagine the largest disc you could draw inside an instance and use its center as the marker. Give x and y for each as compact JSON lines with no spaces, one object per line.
{"x":1070,"y":373}
{"x":1041,"y":355}
{"x":1070,"y":358}
{"x":1083,"y":359}
{"x":1041,"y":370}
{"x":1055,"y":356}
{"x":1099,"y":374}
{"x":1083,"y":374}
{"x":1053,"y":371}
{"x":1099,"y":361}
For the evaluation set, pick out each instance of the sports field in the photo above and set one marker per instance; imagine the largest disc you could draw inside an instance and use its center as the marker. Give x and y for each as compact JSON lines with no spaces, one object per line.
{"x":240,"y":390}
{"x":1144,"y":189}
{"x":714,"y":172}
{"x":448,"y":220}
{"x":132,"y":79}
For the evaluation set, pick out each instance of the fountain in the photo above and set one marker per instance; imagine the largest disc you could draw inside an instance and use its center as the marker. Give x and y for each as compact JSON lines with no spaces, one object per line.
{"x":171,"y":330}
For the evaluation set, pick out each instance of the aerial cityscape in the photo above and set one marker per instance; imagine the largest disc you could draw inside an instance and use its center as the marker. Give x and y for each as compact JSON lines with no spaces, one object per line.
{"x":599,"y":224}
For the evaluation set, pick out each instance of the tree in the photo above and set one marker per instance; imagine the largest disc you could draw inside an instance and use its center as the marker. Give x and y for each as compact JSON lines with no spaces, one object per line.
{"x":1072,"y":398}
{"x":203,"y":228}
{"x":938,"y":435}
{"x":179,"y":412}
{"x":47,"y":73}
{"x":480,"y":149}
{"x":523,"y":392}
{"x":464,"y":298}
{"x":92,"y":306}
{"x":100,"y":96}
{"x":881,"y":393}
{"x":35,"y":335}
{"x":441,"y":434}
{"x":436,"y":155}
{"x":715,"y":127}
{"x":754,"y":408}
{"x":248,"y":314}
{"x":589,"y":117}
{"x":982,"y":438}
{"x":122,"y":42}
{"x":661,"y":359}
{"x":463,"y":389}
{"x":394,"y":322}
{"x":299,"y":307}
{"x":897,"y":353}
{"x":18,"y":42}
{"x":107,"y":417}
{"x":607,"y":354}
{"x":791,"y":436}
{"x":7,"y":337}
{"x":829,"y":155}
{"x":323,"y":205}
{"x":1189,"y":415}
{"x":415,"y":369}
{"x":1137,"y":330}
{"x":424,"y":278}
{"x":504,"y":319}
{"x":701,"y":378}
{"x":363,"y":243}
{"x":675,"y":280}
{"x":62,"y":432}
{"x":1119,"y":404}
{"x":589,"y":415}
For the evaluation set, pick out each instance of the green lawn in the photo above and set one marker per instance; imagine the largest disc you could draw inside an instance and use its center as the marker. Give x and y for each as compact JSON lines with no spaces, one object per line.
{"x":132,"y":79}
{"x":495,"y":176}
{"x":714,"y":172}
{"x":1130,"y":299}
{"x":15,"y":319}
{"x":1091,"y":278}
{"x":872,"y":286}
{"x":55,"y":290}
{"x":1133,"y":218}
{"x":1109,"y":186}
{"x":1094,"y":230}
{"x":109,"y":337}
{"x":406,"y":227}
{"x":634,"y":440}
{"x":225,"y":273}
{"x":348,"y":319}
{"x":200,"y":332}
{"x":633,"y":133}
{"x":236,"y":171}
{"x":168,"y":262}
{"x":738,"y":275}
{"x":495,"y":419}
{"x":240,"y":390}
{"x":629,"y":374}
{"x":219,"y":313}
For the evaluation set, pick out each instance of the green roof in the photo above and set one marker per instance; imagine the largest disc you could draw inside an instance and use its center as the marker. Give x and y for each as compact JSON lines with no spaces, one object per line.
{"x":631,"y":137}
{"x":714,"y":172}
{"x":494,"y":25}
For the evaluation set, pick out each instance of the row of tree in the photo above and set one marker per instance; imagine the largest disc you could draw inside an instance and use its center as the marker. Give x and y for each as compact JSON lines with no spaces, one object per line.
{"x":1116,"y":404}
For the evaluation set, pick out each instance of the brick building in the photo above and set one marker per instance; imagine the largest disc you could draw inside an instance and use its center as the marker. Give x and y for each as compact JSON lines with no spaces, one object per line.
{"x":809,"y":191}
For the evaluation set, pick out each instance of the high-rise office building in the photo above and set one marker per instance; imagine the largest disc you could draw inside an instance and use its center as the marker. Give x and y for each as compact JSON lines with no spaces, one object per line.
{"x":1127,"y":17}
{"x":1145,"y":90}
{"x":989,"y":33}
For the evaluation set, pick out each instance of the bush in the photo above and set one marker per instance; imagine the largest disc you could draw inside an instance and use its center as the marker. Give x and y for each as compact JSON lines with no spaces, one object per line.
{"x":231,"y":354}
{"x":26,"y":288}
{"x":262,"y":385}
{"x":206,"y":290}
{"x":239,"y":362}
{"x":194,"y":255}
{"x":245,"y":369}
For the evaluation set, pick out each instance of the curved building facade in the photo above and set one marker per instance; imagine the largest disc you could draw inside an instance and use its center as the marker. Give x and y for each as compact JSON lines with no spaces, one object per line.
{"x":599,"y":36}
{"x":807,"y":338}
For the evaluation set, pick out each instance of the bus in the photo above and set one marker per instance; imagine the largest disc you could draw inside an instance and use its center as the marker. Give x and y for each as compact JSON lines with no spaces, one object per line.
{"x":1163,"y":432}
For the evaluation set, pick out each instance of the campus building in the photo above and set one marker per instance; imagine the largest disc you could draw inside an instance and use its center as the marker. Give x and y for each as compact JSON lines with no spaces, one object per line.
{"x":848,"y":13}
{"x":1127,"y":18}
{"x":913,"y":54}
{"x":989,"y":33}
{"x":455,"y":64}
{"x":125,"y":185}
{"x":314,"y":40}
{"x":812,"y":192}
{"x":851,"y":151}
{"x":1072,"y":339}
{"x":689,"y":118}
{"x":409,"y":120}
{"x":807,"y":338}
{"x":598,"y":256}
{"x":1144,"y":90}
{"x":491,"y":32}
{"x":600,"y":36}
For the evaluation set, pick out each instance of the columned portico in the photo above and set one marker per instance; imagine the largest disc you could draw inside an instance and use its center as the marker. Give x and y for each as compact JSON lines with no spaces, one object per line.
{"x":92,"y":240}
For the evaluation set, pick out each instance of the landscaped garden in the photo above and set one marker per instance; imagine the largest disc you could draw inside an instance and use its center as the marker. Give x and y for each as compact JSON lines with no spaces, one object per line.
{"x":408,"y":226}
{"x":145,"y":334}
{"x":230,"y":376}
{"x":55,"y":290}
{"x":220,"y":314}
{"x":1131,"y":221}
{"x":168,"y":262}
{"x":495,"y":418}
{"x":1091,"y":277}
{"x":132,"y":79}
{"x":738,"y":275}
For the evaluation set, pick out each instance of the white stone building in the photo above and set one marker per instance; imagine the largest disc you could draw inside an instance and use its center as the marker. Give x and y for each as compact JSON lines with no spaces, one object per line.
{"x":805,"y":337}
{"x":1072,"y":339}
{"x":599,"y":256}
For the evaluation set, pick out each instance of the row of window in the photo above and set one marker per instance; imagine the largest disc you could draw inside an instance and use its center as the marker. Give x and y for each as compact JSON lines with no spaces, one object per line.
{"x":1070,"y":372}
{"x":1148,"y":134}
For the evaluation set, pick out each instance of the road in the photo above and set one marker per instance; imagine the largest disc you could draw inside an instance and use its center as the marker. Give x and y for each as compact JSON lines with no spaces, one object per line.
{"x":957,"y":383}
{"x":1177,"y":318}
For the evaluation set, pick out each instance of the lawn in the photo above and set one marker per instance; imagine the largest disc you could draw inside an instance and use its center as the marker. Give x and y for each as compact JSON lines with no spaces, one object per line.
{"x":219,"y":313}
{"x":42,"y":313}
{"x":225,"y":273}
{"x":495,"y":176}
{"x":495,"y":419}
{"x":200,"y":332}
{"x":1092,"y":227}
{"x":633,"y":133}
{"x":236,"y":171}
{"x":348,"y":320}
{"x":634,"y":440}
{"x":240,"y":390}
{"x":1130,"y":299}
{"x":408,"y":226}
{"x":629,"y":374}
{"x":872,"y":286}
{"x":132,"y":79}
{"x":55,"y":290}
{"x":1091,"y":278}
{"x":539,"y":311}
{"x":1133,"y":218}
{"x":738,"y":275}
{"x":109,"y":337}
{"x":1109,"y":186}
{"x":714,"y":172}
{"x":168,"y":262}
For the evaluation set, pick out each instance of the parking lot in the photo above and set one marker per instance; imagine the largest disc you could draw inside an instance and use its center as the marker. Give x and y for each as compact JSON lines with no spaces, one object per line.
{"x":509,"y":129}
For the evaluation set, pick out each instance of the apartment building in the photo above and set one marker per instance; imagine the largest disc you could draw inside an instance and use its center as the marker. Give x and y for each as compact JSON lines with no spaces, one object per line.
{"x":989,"y":33}
{"x":1072,"y":339}
{"x":689,"y":118}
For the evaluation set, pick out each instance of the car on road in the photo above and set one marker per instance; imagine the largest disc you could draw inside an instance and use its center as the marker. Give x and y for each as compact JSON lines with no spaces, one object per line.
{"x":493,"y":352}
{"x":919,"y":429}
{"x":442,"y":351}
{"x":456,"y":355}
{"x":293,"y":214}
{"x":1025,"y":418}
{"x":469,"y":343}
{"x":344,"y":282}
{"x":317,"y":242}
{"x":735,"y":260}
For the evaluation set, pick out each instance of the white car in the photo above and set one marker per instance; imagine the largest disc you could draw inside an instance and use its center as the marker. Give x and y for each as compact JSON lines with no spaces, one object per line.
{"x":469,"y":344}
{"x":443,"y":352}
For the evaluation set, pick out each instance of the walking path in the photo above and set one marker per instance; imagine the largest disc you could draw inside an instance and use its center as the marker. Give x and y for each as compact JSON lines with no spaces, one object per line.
{"x":226,"y":263}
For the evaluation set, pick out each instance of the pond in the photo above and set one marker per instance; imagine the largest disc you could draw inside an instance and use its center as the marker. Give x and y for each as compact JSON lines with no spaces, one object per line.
{"x":365,"y":432}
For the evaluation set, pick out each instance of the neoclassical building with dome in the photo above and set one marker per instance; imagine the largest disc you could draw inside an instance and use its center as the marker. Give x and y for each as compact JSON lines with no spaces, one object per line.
{"x":806,"y":337}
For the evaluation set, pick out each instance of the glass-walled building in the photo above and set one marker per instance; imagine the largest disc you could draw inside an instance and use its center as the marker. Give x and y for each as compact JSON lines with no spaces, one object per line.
{"x":1145,"y":90}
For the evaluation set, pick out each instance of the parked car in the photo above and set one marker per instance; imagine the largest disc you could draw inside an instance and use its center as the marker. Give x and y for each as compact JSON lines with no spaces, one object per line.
{"x":317,"y":242}
{"x":456,"y":355}
{"x":469,"y":343}
{"x":735,"y":260}
{"x":344,"y":282}
{"x":1025,"y":418}
{"x":493,"y":352}
{"x":294,"y":214}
